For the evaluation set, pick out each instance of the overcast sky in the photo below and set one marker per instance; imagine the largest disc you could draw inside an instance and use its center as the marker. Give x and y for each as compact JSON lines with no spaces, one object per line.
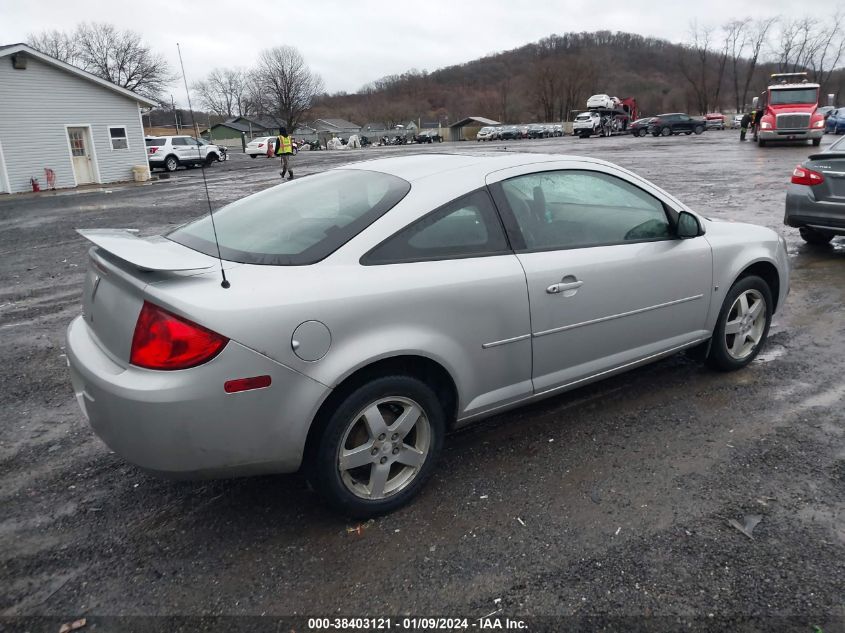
{"x":351,"y":43}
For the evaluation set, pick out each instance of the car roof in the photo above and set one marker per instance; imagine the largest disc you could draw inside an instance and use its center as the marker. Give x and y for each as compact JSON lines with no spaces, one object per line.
{"x":418,"y":166}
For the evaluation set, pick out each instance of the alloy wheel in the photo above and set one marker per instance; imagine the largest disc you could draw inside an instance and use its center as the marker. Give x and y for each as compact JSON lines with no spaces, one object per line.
{"x":745,"y":324}
{"x":384,"y":448}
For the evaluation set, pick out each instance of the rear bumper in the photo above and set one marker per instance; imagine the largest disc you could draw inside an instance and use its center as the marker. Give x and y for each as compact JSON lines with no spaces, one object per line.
{"x":182,"y":423}
{"x":803,"y":211}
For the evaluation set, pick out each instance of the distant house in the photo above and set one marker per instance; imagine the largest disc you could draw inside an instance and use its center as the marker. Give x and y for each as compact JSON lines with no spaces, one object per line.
{"x":337,"y":127}
{"x":54,"y":116}
{"x":235,"y":127}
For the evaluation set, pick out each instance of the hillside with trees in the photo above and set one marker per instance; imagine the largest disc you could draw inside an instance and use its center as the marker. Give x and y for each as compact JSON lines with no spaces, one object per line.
{"x":719,"y":70}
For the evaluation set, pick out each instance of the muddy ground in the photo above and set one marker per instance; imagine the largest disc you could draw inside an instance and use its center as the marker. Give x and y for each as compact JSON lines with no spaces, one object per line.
{"x":612,"y":500}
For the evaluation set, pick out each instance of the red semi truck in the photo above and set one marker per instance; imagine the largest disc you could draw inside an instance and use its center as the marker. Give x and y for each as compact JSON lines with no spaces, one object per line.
{"x":790,"y":110}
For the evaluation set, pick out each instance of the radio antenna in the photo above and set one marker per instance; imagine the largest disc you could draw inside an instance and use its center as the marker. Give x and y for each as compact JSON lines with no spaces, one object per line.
{"x":225,"y":283}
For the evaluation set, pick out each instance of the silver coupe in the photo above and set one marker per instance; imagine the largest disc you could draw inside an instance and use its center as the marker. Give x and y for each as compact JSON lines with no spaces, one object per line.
{"x":370,"y":309}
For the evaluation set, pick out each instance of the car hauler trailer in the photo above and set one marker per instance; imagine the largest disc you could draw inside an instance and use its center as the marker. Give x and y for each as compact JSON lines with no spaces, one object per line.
{"x":790,"y":111}
{"x":605,"y":116}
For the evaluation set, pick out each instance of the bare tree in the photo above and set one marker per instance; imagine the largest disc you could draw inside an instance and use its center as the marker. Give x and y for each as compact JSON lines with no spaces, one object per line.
{"x":55,"y":44}
{"x":577,"y":73}
{"x":759,"y":35}
{"x":223,"y":92}
{"x":811,"y":44}
{"x":283,"y":84}
{"x":504,"y":92}
{"x":544,"y":80}
{"x":693,"y":62}
{"x":737,"y":38}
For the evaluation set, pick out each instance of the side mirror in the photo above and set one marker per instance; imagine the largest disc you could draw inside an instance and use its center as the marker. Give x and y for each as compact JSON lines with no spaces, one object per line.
{"x":688,"y":225}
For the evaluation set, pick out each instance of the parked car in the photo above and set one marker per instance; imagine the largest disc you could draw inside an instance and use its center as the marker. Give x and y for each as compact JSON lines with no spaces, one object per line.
{"x":508,"y":133}
{"x":815,"y":199}
{"x":825,"y":110}
{"x":443,"y":308}
{"x":736,"y":120}
{"x":171,"y":152}
{"x":675,"y":123}
{"x":557,"y":130}
{"x":586,"y":124}
{"x":428,"y":136}
{"x":258,"y":146}
{"x":835,"y":122}
{"x":487,"y":133}
{"x":714,"y":121}
{"x":639,"y":127}
{"x":535,"y":130}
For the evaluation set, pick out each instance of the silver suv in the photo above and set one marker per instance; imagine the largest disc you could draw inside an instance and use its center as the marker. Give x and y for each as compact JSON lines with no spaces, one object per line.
{"x":169,"y":152}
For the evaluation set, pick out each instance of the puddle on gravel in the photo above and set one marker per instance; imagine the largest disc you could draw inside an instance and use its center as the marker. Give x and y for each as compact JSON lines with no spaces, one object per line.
{"x":770,"y":354}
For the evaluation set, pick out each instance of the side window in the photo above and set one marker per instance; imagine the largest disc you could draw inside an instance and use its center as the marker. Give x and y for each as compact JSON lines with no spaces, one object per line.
{"x":118,"y":137}
{"x":575,"y":209}
{"x":179,"y":141}
{"x":466,"y":227}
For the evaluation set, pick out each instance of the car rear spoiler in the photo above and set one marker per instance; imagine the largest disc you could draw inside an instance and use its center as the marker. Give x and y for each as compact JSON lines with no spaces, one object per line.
{"x":148,"y":253}
{"x":823,"y":155}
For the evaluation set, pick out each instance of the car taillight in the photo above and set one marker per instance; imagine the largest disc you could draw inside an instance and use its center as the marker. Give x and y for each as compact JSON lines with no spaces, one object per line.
{"x":153,"y":150}
{"x":165,"y":341}
{"x":803,"y":176}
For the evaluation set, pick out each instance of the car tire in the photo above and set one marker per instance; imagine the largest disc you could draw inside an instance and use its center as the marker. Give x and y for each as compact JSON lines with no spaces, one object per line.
{"x":347,"y":428}
{"x":666,"y":131}
{"x":816,"y":238}
{"x":211,"y":158}
{"x":688,"y":132}
{"x":253,"y":155}
{"x":817,"y":142}
{"x":171,"y":163}
{"x":731,"y":350}
{"x":698,"y":129}
{"x":761,"y":143}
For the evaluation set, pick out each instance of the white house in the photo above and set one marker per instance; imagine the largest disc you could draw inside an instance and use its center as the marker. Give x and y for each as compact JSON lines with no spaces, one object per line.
{"x":54,"y":116}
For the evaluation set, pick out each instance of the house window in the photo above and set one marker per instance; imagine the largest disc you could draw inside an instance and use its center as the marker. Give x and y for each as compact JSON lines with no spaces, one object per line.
{"x":118,"y":137}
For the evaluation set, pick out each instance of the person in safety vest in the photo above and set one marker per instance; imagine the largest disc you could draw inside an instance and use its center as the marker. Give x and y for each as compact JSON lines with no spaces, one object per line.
{"x":284,"y":149}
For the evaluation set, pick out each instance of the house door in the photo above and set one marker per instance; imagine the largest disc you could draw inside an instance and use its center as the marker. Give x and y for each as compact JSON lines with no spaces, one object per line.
{"x":80,"y":149}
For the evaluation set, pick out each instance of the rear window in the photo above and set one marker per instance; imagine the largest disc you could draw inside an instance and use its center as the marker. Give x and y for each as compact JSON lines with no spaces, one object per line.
{"x":155,"y":142}
{"x":296,"y":223}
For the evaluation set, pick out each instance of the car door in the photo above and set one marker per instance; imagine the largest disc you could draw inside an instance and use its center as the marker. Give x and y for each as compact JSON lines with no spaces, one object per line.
{"x":194,"y":152}
{"x":453,"y":274}
{"x":684,"y":124}
{"x":609,"y":284}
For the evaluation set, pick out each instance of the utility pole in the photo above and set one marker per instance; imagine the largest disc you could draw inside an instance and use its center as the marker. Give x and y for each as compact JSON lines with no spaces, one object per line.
{"x":175,"y":116}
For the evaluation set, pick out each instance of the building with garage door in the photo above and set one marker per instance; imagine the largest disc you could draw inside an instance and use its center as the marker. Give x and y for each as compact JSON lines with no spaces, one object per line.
{"x":56,"y":117}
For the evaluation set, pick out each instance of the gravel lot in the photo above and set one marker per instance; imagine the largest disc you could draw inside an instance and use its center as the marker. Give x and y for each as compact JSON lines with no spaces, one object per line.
{"x":611,"y":501}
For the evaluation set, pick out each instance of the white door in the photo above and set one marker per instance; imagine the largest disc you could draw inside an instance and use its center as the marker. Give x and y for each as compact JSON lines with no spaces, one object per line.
{"x":80,"y":149}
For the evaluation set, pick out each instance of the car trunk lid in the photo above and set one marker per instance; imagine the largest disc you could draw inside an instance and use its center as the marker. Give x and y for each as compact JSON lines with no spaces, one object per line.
{"x":832,"y":167}
{"x":121,"y":265}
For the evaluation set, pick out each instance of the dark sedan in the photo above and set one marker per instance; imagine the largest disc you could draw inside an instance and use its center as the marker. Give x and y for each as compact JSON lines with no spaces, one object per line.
{"x":815,"y":200}
{"x":428,"y":137}
{"x":675,"y":123}
{"x":640,"y":126}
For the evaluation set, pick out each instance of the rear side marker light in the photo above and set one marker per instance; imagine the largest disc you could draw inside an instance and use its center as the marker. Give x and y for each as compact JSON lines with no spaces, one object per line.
{"x":163,"y":340}
{"x":803,"y":176}
{"x":153,"y":150}
{"x":245,"y":384}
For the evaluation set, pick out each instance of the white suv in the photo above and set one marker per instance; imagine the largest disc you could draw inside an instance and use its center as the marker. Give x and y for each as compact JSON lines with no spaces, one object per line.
{"x":586,"y":124}
{"x":169,"y":152}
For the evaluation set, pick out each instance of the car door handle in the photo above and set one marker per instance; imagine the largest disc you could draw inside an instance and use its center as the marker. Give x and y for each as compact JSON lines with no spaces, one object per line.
{"x":563,"y":287}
